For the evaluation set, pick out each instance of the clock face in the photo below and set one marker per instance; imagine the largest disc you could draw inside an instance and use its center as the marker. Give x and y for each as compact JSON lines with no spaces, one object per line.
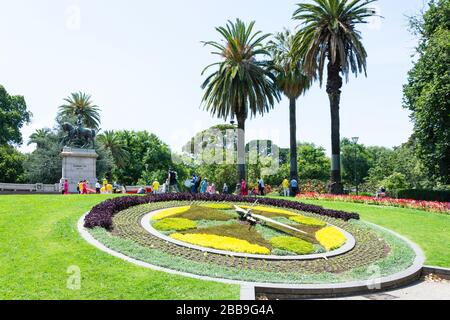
{"x":256,"y":230}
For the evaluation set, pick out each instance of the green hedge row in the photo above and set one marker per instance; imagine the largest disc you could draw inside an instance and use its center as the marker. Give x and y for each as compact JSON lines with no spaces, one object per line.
{"x":424,"y":195}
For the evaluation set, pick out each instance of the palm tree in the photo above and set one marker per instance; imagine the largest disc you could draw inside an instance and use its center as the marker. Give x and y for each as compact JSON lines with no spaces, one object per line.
{"x":328,"y":33}
{"x":79,"y":104}
{"x":242,"y":86}
{"x":292,"y":82}
{"x":111,"y":142}
{"x":40,"y":137}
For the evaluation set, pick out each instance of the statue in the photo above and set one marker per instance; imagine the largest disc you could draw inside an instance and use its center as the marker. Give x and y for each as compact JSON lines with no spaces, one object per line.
{"x":78,"y":135}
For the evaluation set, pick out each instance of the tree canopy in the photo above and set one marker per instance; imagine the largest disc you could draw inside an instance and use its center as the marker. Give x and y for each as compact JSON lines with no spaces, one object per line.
{"x":13,"y":116}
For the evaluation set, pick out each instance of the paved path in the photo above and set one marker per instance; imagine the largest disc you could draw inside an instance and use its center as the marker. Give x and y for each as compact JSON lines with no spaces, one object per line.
{"x":424,"y":290}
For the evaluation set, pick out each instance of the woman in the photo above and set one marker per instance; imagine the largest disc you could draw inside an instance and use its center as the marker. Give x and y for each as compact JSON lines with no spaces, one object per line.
{"x":244,"y":190}
{"x":212,"y":189}
{"x":85,"y":189}
{"x":66,"y":187}
{"x":225,"y":189}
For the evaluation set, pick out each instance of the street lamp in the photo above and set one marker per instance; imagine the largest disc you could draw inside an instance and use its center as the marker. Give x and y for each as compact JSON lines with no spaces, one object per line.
{"x":355,"y":172}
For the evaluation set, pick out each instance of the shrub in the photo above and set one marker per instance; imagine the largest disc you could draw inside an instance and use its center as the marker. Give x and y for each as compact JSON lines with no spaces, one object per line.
{"x":331,"y":238}
{"x":292,"y":244}
{"x":221,"y":243}
{"x":424,"y":195}
{"x":102,"y":214}
{"x":307,"y":221}
{"x":170,"y":212}
{"x":175,"y":224}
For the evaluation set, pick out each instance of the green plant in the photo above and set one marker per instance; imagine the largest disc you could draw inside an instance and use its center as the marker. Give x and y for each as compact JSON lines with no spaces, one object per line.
{"x":292,"y":244}
{"x":174,"y":224}
{"x":308,"y":221}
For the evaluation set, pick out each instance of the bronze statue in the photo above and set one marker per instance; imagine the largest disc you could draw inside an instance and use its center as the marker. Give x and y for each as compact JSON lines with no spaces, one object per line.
{"x":78,"y":136}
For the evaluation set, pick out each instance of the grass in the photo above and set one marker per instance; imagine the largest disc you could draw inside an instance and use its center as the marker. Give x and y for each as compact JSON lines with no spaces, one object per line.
{"x":39,"y":242}
{"x":431,"y":231}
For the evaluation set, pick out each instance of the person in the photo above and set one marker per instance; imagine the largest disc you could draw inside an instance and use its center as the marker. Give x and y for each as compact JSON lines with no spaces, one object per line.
{"x":213,"y":189}
{"x":141,"y":190}
{"x":381,"y":193}
{"x":193,"y":183}
{"x":173,"y":183}
{"x":294,"y":187}
{"x":244,"y":189}
{"x":285,"y":186}
{"x":261,"y":187}
{"x":197,"y":184}
{"x":66,"y":187}
{"x":80,"y":187}
{"x":155,"y":186}
{"x":225,"y":189}
{"x":84,"y":187}
{"x":204,"y":186}
{"x":115,"y":187}
{"x":98,"y":187}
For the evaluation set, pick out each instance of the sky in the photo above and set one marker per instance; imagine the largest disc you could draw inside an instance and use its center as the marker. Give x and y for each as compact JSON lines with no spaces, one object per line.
{"x":142,"y":61}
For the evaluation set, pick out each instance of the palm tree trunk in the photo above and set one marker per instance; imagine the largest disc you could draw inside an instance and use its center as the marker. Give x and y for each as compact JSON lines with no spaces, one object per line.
{"x":241,"y":147}
{"x":293,"y":138}
{"x":334,"y":86}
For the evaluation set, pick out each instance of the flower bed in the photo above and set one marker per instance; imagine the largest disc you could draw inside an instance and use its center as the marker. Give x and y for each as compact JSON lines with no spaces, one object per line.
{"x":102,"y":214}
{"x":430,"y":206}
{"x":175,"y":224}
{"x":221,"y":243}
{"x":331,"y":238}
{"x":292,"y":244}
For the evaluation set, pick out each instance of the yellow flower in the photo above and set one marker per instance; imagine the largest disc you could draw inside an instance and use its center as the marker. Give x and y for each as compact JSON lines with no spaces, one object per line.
{"x":170,"y":212}
{"x":270,"y":210}
{"x":307,"y":221}
{"x":221,"y":243}
{"x":219,"y":206}
{"x":331,"y":238}
{"x":175,"y":224}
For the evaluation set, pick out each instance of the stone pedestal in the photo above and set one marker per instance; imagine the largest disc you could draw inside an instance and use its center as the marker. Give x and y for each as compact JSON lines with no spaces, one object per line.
{"x":79,"y":165}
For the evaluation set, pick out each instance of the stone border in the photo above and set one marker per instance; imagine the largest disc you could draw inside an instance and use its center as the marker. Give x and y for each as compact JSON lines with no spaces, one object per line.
{"x":405,"y":277}
{"x":348,"y":246}
{"x":438,"y":271}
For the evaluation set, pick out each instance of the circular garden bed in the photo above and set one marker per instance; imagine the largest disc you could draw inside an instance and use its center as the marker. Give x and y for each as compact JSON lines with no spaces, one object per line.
{"x":293,"y":243}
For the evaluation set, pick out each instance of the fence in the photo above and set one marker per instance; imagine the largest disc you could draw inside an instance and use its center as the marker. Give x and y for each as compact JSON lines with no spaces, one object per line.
{"x":29,"y":188}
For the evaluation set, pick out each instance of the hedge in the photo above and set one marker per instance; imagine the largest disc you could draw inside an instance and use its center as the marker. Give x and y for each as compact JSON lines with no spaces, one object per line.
{"x":424,"y":195}
{"x":102,"y":214}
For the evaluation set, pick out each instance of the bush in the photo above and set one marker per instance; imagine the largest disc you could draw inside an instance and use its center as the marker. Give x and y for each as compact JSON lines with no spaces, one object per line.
{"x":292,"y":244}
{"x":175,"y":224}
{"x":424,"y":195}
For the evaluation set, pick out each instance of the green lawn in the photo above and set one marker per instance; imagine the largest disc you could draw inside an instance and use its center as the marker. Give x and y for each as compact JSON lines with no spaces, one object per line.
{"x":431,"y":231}
{"x":39,"y":242}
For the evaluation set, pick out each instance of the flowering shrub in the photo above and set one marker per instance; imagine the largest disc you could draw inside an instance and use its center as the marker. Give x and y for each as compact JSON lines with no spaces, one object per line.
{"x":313,"y":186}
{"x":292,"y":244}
{"x":331,"y":238}
{"x":221,"y":243}
{"x":440,"y":207}
{"x":175,"y":224}
{"x":307,"y":221}
{"x":102,"y":214}
{"x":170,"y":212}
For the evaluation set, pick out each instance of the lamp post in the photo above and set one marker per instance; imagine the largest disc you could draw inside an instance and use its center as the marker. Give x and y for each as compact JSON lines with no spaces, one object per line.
{"x":146,"y":175}
{"x":355,"y":172}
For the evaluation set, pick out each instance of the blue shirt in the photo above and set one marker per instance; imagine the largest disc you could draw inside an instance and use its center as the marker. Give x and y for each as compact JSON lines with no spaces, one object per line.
{"x":294,"y":184}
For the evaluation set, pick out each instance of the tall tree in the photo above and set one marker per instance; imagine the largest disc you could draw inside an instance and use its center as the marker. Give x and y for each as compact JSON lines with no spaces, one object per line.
{"x":242,"y":86}
{"x":110,"y":141}
{"x":13,"y":116}
{"x":427,"y":93}
{"x":80,"y":104}
{"x":328,"y":33}
{"x":292,"y":82}
{"x":40,"y":137}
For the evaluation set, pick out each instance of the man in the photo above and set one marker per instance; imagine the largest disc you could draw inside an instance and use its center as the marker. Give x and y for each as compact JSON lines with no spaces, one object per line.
{"x":261,"y":187}
{"x":285,"y":186}
{"x":98,"y":187}
{"x":294,"y":188}
{"x":155,"y":187}
{"x":173,"y":183}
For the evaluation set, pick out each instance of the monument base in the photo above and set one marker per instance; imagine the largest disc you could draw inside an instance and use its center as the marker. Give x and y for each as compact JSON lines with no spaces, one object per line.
{"x":79,"y":165}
